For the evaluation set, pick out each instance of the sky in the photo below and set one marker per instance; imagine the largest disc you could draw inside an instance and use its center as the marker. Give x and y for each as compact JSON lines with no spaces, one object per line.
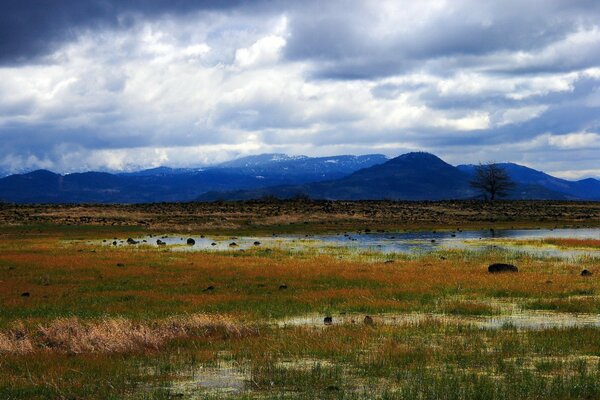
{"x":129,"y":84}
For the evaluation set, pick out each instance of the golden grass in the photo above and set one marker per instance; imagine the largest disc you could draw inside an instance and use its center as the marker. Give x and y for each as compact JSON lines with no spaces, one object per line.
{"x":116,"y":335}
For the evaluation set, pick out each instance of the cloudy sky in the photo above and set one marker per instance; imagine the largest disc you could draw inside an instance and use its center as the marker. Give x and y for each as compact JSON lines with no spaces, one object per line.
{"x":126,"y":84}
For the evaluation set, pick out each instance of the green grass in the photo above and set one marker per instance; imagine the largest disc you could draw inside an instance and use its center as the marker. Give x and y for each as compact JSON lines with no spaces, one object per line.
{"x":429,"y":359}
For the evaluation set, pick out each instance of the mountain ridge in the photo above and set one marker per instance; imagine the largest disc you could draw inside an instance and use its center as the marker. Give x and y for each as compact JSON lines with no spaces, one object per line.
{"x":410,"y":176}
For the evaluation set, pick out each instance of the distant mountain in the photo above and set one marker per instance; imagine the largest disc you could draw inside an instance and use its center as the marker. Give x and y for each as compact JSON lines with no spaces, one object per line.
{"x":161,"y":171}
{"x":309,"y":168}
{"x":412,"y":176}
{"x":100,"y":187}
{"x":176,"y":184}
{"x":260,"y":160}
{"x":585,"y":189}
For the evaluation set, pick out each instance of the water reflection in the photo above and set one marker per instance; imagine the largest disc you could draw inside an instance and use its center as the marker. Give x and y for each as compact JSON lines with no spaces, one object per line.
{"x":386,"y":242}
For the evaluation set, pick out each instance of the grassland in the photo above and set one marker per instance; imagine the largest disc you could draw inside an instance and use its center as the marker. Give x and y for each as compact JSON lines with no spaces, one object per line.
{"x":79,"y":319}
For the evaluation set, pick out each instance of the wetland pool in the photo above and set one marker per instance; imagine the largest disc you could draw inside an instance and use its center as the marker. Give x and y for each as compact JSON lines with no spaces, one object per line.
{"x":387,"y":242}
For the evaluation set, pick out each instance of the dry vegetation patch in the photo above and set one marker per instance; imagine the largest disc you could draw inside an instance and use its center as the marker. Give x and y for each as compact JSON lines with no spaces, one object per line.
{"x":116,"y":335}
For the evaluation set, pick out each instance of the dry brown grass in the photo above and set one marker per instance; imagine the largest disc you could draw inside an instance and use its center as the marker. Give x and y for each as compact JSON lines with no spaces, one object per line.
{"x":254,"y":216}
{"x":115,"y":335}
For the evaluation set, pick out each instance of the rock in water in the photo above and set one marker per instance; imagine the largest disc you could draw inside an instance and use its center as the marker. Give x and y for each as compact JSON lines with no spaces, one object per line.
{"x":500,"y":267}
{"x":328,"y":320}
{"x":191,"y":242}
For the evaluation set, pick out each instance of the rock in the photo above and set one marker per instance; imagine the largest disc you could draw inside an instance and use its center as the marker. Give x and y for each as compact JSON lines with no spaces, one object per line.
{"x":388,"y":262}
{"x":368,"y":320}
{"x":233,"y":244}
{"x":328,"y":320}
{"x":500,"y":267}
{"x":114,"y":243}
{"x":586,"y":272}
{"x":131,"y":241}
{"x":191,"y":242}
{"x":213,"y":244}
{"x":160,"y":242}
{"x":25,"y":294}
{"x":257,"y":243}
{"x":120,"y":265}
{"x":282,"y":287}
{"x":208,"y":289}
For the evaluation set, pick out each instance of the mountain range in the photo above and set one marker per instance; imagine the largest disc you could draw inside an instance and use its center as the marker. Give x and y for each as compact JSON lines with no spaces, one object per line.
{"x":411,"y":176}
{"x":178,"y":184}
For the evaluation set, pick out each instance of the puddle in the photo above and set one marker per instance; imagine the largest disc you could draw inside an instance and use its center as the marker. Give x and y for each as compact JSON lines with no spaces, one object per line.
{"x":403,"y":242}
{"x":233,"y":243}
{"x":526,"y":320}
{"x":203,"y":381}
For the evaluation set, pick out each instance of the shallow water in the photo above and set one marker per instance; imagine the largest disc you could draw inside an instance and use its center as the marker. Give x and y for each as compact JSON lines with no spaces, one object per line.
{"x":199,"y":382}
{"x":429,"y":241}
{"x":401,"y":242}
{"x":524,"y":320}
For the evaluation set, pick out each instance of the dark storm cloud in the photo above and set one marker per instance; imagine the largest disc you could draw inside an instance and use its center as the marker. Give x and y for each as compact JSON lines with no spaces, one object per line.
{"x":33,"y":28}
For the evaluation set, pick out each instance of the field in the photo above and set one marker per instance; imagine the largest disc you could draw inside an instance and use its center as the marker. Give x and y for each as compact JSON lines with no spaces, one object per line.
{"x":83,"y":319}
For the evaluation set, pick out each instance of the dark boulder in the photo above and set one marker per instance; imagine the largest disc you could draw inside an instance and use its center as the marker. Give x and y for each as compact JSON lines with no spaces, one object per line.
{"x":25,"y":294}
{"x":282,"y":287}
{"x":191,"y":242}
{"x":208,"y":289}
{"x":500,"y":267}
{"x":328,"y":320}
{"x":368,"y":320}
{"x":257,"y":243}
{"x":586,"y":272}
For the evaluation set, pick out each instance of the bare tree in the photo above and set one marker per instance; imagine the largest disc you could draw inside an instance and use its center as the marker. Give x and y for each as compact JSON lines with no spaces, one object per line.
{"x":492,"y":181}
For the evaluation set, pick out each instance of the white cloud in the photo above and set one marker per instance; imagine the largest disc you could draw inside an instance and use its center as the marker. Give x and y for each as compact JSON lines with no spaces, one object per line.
{"x":266,"y":50}
{"x":574,"y":140}
{"x":521,"y":114}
